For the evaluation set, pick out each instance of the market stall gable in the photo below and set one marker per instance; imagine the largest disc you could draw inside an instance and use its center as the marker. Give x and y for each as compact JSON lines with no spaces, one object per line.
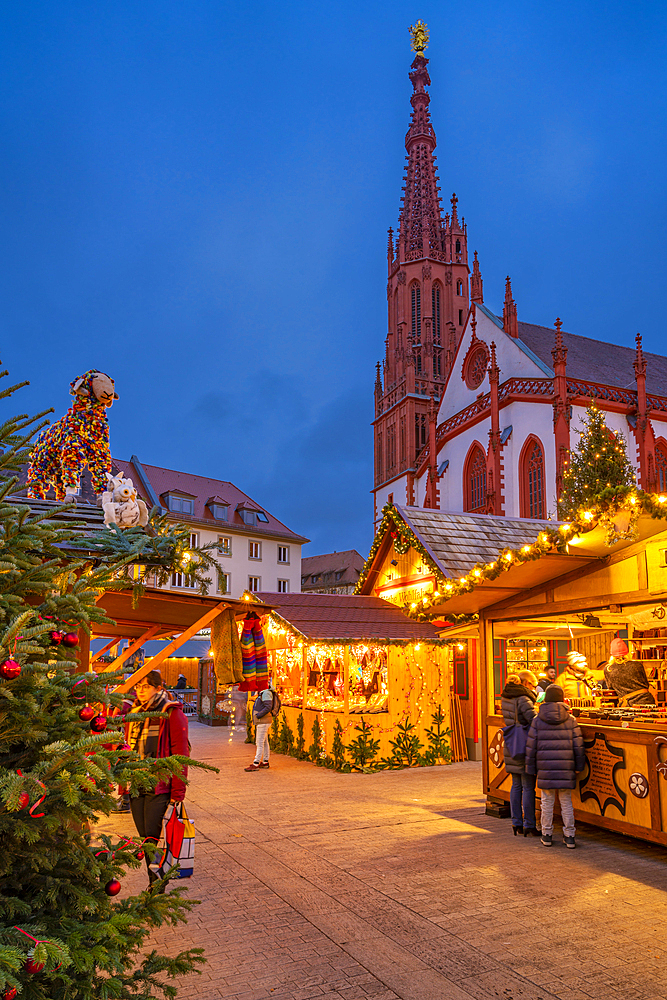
{"x":593,"y":594}
{"x":342,"y":657}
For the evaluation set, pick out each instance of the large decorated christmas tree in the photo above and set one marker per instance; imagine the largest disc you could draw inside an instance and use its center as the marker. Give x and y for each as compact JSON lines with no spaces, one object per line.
{"x":597,"y":467}
{"x":63,"y":933}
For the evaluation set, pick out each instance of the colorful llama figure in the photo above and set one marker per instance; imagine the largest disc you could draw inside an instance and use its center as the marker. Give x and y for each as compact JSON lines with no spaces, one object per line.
{"x":80,"y":438}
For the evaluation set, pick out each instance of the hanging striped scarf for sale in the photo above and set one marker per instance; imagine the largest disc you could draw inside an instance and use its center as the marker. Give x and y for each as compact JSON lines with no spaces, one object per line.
{"x":255,"y":660}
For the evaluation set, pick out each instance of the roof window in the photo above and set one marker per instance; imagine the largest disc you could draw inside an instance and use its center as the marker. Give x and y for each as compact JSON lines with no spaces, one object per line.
{"x":180,"y":503}
{"x":219,"y":508}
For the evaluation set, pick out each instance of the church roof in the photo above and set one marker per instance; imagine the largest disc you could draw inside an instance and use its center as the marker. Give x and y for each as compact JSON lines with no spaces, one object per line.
{"x":596,"y":360}
{"x":459,"y":542}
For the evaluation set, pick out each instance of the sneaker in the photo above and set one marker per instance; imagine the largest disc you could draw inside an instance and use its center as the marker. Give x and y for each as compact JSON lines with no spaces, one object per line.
{"x":569,"y":842}
{"x":252,"y":767}
{"x":547,"y":839}
{"x":264,"y":763}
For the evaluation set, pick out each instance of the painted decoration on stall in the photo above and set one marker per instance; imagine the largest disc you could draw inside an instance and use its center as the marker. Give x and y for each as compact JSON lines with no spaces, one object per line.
{"x":638,"y":785}
{"x":496,"y":750}
{"x":661,"y":768}
{"x":600,"y":783}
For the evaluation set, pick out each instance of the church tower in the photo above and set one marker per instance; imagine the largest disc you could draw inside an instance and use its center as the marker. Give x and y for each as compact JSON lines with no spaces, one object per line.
{"x":427,"y":298}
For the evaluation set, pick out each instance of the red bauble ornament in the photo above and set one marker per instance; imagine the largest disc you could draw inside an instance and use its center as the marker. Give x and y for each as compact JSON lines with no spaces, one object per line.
{"x":113,"y":887}
{"x":56,"y":637}
{"x":87,"y":713}
{"x":70,"y":639}
{"x":10,"y":993}
{"x":140,"y":855}
{"x":98,"y":724}
{"x":24,"y":800}
{"x":33,"y":967}
{"x":10,"y":670}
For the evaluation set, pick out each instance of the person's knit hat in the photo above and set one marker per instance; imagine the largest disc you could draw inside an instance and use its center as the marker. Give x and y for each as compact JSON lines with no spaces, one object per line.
{"x":618,"y":647}
{"x":576,"y":659}
{"x":554,"y":693}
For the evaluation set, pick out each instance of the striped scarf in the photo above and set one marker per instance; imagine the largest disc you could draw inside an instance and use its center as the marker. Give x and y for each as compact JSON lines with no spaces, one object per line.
{"x":255,"y":660}
{"x":144,"y":734}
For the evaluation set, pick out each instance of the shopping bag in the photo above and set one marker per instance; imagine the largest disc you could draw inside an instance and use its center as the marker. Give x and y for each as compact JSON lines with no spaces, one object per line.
{"x":177,"y":843}
{"x":515,"y":736}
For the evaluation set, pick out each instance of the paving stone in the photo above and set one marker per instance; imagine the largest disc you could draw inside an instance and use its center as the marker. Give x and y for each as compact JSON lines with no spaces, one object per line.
{"x":398,"y":887}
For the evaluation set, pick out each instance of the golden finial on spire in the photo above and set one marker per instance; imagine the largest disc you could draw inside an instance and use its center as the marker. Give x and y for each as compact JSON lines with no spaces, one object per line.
{"x":419,"y":34}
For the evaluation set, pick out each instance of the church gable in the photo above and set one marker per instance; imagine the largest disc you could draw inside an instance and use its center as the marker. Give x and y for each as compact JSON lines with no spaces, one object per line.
{"x":469,"y":376}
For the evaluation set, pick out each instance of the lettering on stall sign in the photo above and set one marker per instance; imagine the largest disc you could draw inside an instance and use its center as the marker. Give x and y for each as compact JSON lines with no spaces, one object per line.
{"x":604,"y":762}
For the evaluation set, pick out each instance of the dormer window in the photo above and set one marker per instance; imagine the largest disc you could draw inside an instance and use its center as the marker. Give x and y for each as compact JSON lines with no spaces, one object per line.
{"x":219,"y":508}
{"x":179,"y":503}
{"x":251,"y":515}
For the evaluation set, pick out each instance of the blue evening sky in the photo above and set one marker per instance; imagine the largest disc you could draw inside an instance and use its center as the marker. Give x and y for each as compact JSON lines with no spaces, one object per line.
{"x":195,"y":198}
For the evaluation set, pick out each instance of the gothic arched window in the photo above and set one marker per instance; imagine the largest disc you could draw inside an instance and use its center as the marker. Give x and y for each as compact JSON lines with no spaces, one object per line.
{"x":661,"y":465}
{"x":416,"y":303}
{"x":459,"y":287}
{"x":531,"y":478}
{"x":458,"y":248}
{"x":474,"y":480}
{"x":435,"y":303}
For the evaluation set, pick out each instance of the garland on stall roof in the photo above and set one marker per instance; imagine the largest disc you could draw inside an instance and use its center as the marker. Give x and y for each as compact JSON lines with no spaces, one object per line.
{"x":403,"y":538}
{"x":617,"y":510}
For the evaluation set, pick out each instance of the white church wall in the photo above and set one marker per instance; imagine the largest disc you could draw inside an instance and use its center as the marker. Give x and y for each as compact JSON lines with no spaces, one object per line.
{"x":398,"y":491}
{"x":456,"y":450}
{"x":527,"y":419}
{"x":512,"y":362}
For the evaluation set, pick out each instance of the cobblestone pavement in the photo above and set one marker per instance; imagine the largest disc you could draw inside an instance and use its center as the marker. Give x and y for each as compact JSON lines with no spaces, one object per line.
{"x":342,"y":887}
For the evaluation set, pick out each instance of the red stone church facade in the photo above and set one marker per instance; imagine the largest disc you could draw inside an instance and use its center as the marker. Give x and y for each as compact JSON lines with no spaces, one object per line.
{"x":476,"y":411}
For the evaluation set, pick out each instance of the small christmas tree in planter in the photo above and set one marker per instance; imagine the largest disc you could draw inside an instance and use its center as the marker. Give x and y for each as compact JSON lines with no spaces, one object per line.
{"x":338,"y":749}
{"x":598,"y":469}
{"x":274,"y":735}
{"x":315,"y":748}
{"x":406,"y":748}
{"x":286,"y":737}
{"x":364,"y":749}
{"x":439,"y":749}
{"x":300,"y":745}
{"x":249,"y":728}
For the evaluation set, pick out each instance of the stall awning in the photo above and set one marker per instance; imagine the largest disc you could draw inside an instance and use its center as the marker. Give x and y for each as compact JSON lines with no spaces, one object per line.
{"x":171,"y":612}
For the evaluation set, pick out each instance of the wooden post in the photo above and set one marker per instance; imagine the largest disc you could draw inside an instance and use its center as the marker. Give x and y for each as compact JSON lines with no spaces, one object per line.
{"x":83,"y":656}
{"x":304,"y":663}
{"x":155,"y":661}
{"x":132,"y":648}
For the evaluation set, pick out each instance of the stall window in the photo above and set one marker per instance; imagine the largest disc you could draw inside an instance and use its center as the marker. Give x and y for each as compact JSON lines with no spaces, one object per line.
{"x":532,"y":480}
{"x":286,"y":664}
{"x":474,"y":481}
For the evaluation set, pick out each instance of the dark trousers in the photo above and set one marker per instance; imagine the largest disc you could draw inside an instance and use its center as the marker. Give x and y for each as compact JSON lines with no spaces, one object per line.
{"x":148,"y":812}
{"x":522,"y":800}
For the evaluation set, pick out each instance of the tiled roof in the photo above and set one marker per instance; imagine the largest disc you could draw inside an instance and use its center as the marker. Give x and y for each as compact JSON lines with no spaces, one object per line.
{"x":202,"y":489}
{"x":326,"y":566}
{"x":458,"y":542}
{"x":596,"y":360}
{"x":323,"y":617}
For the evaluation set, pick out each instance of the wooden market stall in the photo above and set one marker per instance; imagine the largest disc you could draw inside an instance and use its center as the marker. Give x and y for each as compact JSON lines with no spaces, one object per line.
{"x":345,"y":657}
{"x":569,"y":586}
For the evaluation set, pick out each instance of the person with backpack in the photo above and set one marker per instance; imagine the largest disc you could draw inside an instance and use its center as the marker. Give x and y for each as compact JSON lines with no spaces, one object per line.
{"x":555,"y":753}
{"x":266,"y":707}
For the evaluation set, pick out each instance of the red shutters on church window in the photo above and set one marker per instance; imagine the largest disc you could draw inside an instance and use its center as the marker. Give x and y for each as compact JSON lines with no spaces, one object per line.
{"x":474,"y":481}
{"x":532,"y":480}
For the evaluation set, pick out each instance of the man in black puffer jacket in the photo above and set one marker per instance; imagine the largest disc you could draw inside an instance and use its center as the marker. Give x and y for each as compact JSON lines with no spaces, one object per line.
{"x":555,"y":752}
{"x":518,"y":706}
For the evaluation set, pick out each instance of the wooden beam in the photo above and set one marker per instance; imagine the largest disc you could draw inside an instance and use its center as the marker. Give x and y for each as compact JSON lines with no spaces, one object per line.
{"x":579,"y":605}
{"x":157,"y":660}
{"x":105,"y":649}
{"x":127,"y":653}
{"x":558,"y":581}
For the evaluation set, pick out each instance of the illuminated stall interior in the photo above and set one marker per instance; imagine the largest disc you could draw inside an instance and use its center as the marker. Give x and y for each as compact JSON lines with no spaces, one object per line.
{"x":569,"y":588}
{"x":341,"y":656}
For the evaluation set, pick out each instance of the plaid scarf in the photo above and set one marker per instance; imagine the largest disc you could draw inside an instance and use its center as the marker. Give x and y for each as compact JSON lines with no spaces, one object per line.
{"x":144,"y":734}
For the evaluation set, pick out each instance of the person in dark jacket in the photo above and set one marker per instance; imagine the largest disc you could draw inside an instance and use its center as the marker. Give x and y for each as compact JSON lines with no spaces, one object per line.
{"x":518,"y":705}
{"x":555,"y":753}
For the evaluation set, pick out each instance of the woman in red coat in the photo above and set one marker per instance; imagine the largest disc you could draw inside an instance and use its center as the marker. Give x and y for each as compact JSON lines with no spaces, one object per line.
{"x":158,"y":737}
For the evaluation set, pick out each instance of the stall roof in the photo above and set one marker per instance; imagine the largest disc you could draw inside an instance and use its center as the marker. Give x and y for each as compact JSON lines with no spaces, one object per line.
{"x":172,"y":612}
{"x":326,"y":617}
{"x":458,"y":542}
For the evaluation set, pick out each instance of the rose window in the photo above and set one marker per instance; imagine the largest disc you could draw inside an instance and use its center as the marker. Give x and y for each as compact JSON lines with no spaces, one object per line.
{"x":476,"y":367}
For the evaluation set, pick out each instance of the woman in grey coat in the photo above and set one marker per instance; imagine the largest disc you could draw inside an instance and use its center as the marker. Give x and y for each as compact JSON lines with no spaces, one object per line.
{"x":518,"y":705}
